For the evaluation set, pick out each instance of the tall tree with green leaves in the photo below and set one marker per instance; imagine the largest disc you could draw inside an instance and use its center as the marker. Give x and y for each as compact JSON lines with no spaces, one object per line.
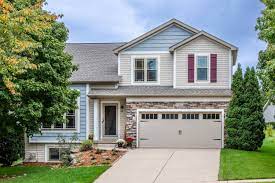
{"x":34,"y":68}
{"x":266,"y":65}
{"x":235,"y":111}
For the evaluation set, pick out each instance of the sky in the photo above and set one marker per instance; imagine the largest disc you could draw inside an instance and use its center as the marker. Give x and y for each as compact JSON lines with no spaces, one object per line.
{"x":123,"y":20}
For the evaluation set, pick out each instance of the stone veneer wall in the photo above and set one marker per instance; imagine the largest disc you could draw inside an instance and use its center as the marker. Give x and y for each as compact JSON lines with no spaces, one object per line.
{"x":131,"y":111}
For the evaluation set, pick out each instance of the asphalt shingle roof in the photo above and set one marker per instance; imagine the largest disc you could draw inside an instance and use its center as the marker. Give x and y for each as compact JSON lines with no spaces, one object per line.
{"x":96,"y":62}
{"x":159,"y":91}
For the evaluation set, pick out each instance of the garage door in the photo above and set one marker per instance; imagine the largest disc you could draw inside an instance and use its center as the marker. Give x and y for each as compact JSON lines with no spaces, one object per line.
{"x":180,"y":130}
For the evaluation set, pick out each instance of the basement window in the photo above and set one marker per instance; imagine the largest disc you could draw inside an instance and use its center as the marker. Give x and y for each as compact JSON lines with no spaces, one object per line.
{"x":55,"y":154}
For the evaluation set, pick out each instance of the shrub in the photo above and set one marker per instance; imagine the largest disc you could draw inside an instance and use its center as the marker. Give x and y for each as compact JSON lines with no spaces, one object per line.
{"x":66,"y":157}
{"x":271,"y":123}
{"x":86,"y":145}
{"x":269,"y":130}
{"x":11,"y":147}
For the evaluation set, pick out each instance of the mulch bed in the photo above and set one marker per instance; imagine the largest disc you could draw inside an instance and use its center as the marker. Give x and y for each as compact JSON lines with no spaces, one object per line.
{"x":97,"y":157}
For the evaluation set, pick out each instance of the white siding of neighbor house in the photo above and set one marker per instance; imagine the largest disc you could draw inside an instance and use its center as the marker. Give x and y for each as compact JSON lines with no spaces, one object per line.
{"x":203,"y":45}
{"x":166,"y":68}
{"x":269,"y":113}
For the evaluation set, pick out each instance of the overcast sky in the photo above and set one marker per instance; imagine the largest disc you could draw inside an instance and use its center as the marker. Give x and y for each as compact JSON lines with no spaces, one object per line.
{"x":121,"y":20}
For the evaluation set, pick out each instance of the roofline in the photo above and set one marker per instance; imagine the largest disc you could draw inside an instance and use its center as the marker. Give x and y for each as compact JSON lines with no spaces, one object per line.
{"x":155,"y":31}
{"x":77,"y":82}
{"x":233,"y":48}
{"x":155,"y":95}
{"x":99,"y":43}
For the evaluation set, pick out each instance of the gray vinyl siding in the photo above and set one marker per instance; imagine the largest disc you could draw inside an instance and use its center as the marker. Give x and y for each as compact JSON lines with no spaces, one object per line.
{"x":269,"y":113}
{"x":52,"y":136}
{"x":166,"y":69}
{"x":203,"y":45}
{"x":163,"y":40}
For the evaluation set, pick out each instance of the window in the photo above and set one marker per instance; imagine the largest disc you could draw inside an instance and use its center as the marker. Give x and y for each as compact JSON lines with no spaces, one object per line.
{"x":169,"y":116}
{"x":55,"y":154}
{"x":145,"y":70}
{"x":71,"y":122}
{"x":202,"y":68}
{"x":149,"y":116}
{"x":211,"y":116}
{"x":139,"y":69}
{"x":71,"y":119}
{"x":190,"y":116}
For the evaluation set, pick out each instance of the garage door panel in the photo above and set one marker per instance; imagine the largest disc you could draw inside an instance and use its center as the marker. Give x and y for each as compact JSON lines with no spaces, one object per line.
{"x":178,"y":133}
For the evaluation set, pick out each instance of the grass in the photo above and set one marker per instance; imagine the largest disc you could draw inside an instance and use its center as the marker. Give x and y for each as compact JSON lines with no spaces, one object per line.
{"x":44,"y":174}
{"x":237,"y":164}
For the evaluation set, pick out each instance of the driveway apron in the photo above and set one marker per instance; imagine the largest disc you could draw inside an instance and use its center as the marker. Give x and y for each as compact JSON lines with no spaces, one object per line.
{"x":164,"y":166}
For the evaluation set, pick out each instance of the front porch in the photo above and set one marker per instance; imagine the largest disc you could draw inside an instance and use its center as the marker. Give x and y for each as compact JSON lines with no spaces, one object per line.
{"x":107,"y":120}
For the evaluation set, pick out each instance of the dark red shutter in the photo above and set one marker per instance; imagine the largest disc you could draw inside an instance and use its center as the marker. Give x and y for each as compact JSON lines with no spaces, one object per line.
{"x":213,"y":67}
{"x":191,"y":68}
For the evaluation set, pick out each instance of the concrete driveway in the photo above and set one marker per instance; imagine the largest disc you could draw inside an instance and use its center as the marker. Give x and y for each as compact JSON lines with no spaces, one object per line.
{"x":164,"y":166}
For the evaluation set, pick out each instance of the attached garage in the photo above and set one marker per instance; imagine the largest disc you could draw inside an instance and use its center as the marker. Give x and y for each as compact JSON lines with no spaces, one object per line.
{"x":180,"y":129}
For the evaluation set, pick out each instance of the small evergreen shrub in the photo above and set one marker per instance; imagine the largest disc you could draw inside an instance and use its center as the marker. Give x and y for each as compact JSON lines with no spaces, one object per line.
{"x":269,"y":130}
{"x":86,"y":145}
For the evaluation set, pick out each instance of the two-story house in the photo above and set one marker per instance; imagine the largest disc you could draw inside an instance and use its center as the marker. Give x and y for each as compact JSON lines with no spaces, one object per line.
{"x":168,"y":88}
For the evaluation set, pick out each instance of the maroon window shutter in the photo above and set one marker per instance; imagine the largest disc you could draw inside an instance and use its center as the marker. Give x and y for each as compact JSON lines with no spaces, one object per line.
{"x":213,"y":67}
{"x":191,"y":68}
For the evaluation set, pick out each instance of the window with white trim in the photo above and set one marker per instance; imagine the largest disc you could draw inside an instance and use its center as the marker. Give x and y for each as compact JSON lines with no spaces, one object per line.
{"x":202,"y":68}
{"x":55,"y":153}
{"x":145,"y":70}
{"x":71,"y":121}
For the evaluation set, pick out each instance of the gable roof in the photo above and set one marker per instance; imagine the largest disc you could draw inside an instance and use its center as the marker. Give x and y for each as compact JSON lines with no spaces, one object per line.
{"x":154,"y":32}
{"x":96,"y":62}
{"x":209,"y":36}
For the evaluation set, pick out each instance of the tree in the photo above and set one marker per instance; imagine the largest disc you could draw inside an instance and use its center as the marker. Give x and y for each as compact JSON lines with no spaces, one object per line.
{"x":245,"y":123}
{"x":266,"y":65}
{"x":253,"y":124}
{"x":235,"y":111}
{"x":11,"y":147}
{"x":34,"y":67}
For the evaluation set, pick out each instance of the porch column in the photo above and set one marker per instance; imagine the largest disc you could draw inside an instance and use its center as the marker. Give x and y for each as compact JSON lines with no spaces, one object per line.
{"x":96,"y":119}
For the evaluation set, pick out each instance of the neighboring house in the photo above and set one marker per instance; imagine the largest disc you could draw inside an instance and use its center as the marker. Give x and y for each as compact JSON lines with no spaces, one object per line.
{"x":168,"y":88}
{"x":269,"y":112}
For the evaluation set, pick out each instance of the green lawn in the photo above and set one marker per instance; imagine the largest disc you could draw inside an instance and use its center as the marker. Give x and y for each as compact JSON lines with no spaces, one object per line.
{"x":237,"y":164}
{"x":43,"y":174}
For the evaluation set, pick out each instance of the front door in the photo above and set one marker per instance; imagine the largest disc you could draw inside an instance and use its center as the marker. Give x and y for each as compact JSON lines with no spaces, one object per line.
{"x":110,"y":120}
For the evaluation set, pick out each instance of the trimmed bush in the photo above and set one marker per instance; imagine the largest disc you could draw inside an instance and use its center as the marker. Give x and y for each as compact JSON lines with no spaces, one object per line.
{"x":86,"y":145}
{"x":11,"y":147}
{"x":269,"y":130}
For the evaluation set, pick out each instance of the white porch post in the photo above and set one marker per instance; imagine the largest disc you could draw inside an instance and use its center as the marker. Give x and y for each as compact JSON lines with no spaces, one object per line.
{"x":96,"y":119}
